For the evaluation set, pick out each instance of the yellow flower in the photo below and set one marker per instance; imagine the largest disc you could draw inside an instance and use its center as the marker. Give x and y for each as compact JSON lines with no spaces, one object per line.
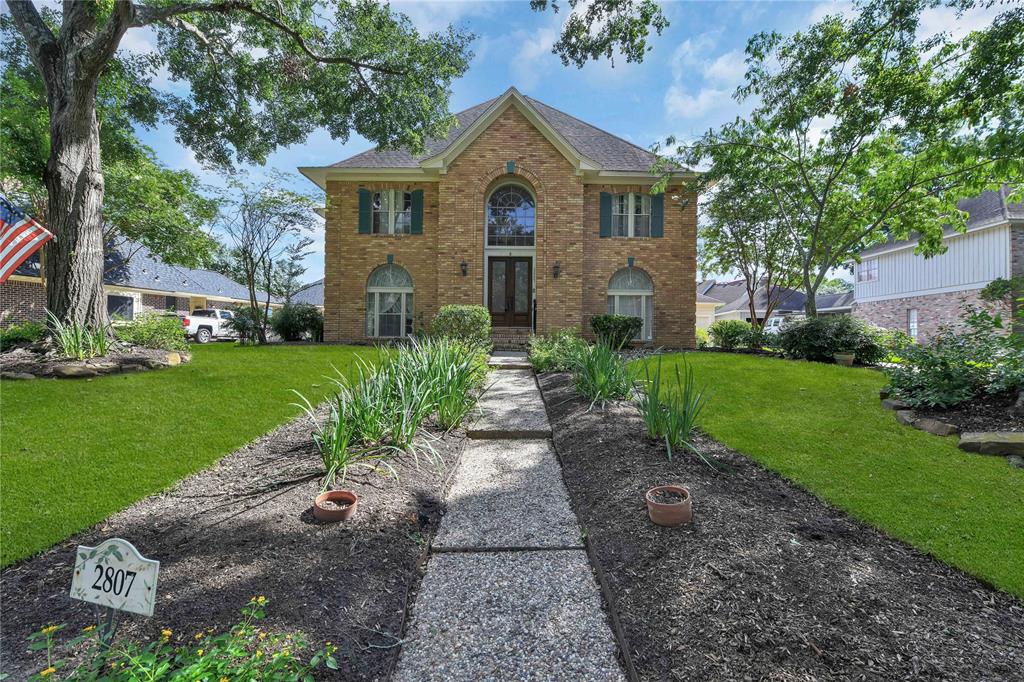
{"x":262,"y":635}
{"x":89,"y":628}
{"x":200,"y":652}
{"x":259,"y":653}
{"x":199,"y":635}
{"x":224,"y":679}
{"x":47,"y":671}
{"x":48,"y":629}
{"x":261,"y":600}
{"x":166,"y":633}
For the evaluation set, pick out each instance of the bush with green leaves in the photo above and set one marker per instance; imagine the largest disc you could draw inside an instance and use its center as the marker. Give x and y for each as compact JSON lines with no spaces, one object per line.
{"x":246,"y":323}
{"x":467,"y":323}
{"x":702,"y":338}
{"x":616,"y":331}
{"x":601,"y":375}
{"x":558,"y":351}
{"x":670,"y":407}
{"x":820,"y":338}
{"x":245,"y":652}
{"x":17,"y":334}
{"x":149,"y":330}
{"x":296,"y":321}
{"x":729,"y":334}
{"x":960,"y":364}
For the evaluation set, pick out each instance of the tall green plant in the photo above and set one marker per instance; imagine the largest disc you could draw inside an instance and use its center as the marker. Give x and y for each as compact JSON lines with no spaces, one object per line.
{"x":601,"y":375}
{"x":79,"y":341}
{"x":670,"y":411}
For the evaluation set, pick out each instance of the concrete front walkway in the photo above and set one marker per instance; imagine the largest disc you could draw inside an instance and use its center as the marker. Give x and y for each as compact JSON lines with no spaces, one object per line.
{"x":509,"y":593}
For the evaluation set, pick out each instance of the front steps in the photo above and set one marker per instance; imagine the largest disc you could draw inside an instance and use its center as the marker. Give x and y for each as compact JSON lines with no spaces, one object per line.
{"x":511,"y":338}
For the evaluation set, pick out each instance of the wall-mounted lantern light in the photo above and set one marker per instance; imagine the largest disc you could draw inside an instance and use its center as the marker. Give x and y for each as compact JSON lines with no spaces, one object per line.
{"x":464,"y":267}
{"x":557,"y":269}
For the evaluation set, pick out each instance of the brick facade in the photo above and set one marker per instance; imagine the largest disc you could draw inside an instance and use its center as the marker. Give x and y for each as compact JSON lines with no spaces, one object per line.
{"x":933,"y":311}
{"x":22,"y":301}
{"x":567,"y":231}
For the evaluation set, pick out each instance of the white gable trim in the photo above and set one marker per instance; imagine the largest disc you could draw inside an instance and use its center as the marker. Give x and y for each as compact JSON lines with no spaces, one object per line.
{"x":511,"y":98}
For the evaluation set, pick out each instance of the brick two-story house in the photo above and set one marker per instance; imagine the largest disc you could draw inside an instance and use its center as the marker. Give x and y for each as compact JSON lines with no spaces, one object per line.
{"x":543,"y":218}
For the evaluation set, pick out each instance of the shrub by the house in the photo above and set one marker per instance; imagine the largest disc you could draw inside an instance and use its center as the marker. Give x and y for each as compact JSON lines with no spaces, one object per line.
{"x":296,"y":321}
{"x":820,"y":338}
{"x":702,"y":337}
{"x":616,"y":331}
{"x":27,"y":332}
{"x":469,"y":323}
{"x":558,"y":351}
{"x":729,"y":334}
{"x":150,"y":330}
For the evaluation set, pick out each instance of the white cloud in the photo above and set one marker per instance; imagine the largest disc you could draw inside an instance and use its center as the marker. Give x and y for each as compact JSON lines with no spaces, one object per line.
{"x":678,"y":102}
{"x":534,"y":57}
{"x":729,"y":67}
{"x":430,"y":16}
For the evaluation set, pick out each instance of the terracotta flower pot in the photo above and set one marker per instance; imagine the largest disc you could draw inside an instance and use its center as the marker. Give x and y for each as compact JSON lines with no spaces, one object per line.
{"x":669,"y":513}
{"x":344,"y":507}
{"x":844,"y":359}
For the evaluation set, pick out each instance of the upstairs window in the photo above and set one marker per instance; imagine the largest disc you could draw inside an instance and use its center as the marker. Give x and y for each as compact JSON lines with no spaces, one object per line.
{"x":867,"y":270}
{"x":392,"y":212}
{"x":631,"y":215}
{"x":511,"y":217}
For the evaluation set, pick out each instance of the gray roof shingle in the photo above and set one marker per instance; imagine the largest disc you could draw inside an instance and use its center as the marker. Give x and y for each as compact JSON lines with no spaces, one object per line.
{"x":612,"y":152}
{"x":311,"y":293}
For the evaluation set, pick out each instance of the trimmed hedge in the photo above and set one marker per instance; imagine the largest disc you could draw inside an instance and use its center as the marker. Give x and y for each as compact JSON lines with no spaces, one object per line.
{"x":729,"y":334}
{"x":616,"y":331}
{"x":820,"y":338}
{"x":469,"y":323}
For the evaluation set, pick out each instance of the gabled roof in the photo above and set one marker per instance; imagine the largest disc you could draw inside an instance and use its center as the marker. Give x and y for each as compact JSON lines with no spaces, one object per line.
{"x":588,"y":147}
{"x":312,"y":293}
{"x":144,"y":270}
{"x":988,"y":209}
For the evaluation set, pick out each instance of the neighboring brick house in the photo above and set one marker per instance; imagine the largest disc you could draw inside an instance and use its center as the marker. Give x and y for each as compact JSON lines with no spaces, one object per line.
{"x":541,"y":217}
{"x":898,"y":289}
{"x":142,"y":283}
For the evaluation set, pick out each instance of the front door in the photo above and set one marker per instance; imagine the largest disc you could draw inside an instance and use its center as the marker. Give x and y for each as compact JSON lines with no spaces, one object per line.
{"x":510,"y":291}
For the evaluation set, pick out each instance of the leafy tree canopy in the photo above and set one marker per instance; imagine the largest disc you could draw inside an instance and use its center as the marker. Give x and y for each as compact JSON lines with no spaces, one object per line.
{"x":865,"y":131}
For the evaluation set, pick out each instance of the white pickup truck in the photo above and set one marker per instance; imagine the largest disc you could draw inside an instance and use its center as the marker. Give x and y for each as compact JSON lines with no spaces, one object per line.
{"x":207,"y":324}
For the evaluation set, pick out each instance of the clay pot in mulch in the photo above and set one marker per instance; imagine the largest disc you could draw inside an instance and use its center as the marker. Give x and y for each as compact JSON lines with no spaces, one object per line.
{"x":844,"y":359}
{"x":669,"y":505}
{"x":335,"y":505}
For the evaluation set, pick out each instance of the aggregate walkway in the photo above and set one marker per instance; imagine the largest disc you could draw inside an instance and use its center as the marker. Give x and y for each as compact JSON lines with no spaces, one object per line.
{"x":509,"y":593}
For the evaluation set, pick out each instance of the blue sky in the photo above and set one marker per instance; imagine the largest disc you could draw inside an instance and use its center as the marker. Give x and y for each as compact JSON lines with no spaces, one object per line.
{"x":683,"y":86}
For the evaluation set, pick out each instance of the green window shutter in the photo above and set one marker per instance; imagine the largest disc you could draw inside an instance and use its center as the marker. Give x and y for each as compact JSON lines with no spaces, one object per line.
{"x":606,"y":214}
{"x":417,"y":212}
{"x":365,"y":211}
{"x":658,"y":215}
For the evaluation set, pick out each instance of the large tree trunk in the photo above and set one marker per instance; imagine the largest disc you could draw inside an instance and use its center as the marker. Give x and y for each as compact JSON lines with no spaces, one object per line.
{"x":74,"y":182}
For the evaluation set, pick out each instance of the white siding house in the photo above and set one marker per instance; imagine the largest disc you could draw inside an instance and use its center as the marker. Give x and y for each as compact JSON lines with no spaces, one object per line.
{"x":896,"y":288}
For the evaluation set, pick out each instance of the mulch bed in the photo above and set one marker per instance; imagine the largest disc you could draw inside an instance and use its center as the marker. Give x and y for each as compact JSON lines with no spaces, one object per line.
{"x":246,"y":528}
{"x":768,"y":582}
{"x":988,"y":413}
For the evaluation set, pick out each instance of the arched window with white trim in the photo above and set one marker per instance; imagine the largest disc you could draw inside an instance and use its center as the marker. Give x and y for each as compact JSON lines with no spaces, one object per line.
{"x":511,"y":216}
{"x":631,"y":292}
{"x":389,"y":302}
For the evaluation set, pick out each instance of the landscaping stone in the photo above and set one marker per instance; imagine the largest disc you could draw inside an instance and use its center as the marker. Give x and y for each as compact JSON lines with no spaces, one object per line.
{"x":132,"y":368}
{"x":993,"y":443}
{"x":883,"y":393}
{"x":17,"y":376}
{"x":508,"y":493}
{"x":1016,"y":461}
{"x":173,"y":358}
{"x":907,"y":417}
{"x":935,"y":427}
{"x":508,"y":616}
{"x":511,"y":407}
{"x":74,"y":371}
{"x":103,"y":367}
{"x":894,"y":404}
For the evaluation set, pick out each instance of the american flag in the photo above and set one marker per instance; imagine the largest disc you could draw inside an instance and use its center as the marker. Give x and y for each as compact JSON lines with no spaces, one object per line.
{"x":20,"y":237}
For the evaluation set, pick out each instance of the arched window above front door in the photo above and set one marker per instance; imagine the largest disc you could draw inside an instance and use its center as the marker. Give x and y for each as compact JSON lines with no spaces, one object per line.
{"x":511,"y":216}
{"x":631,"y":292}
{"x":389,"y":302}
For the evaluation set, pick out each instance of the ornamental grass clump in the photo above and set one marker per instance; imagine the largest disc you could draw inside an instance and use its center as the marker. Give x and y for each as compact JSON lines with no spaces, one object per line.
{"x":78,"y":341}
{"x":558,"y":351}
{"x":600,"y":375}
{"x":670,"y":410}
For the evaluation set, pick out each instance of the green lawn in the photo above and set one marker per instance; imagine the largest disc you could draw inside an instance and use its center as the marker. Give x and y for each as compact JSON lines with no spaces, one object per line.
{"x":821,"y":426}
{"x":72,"y":452}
